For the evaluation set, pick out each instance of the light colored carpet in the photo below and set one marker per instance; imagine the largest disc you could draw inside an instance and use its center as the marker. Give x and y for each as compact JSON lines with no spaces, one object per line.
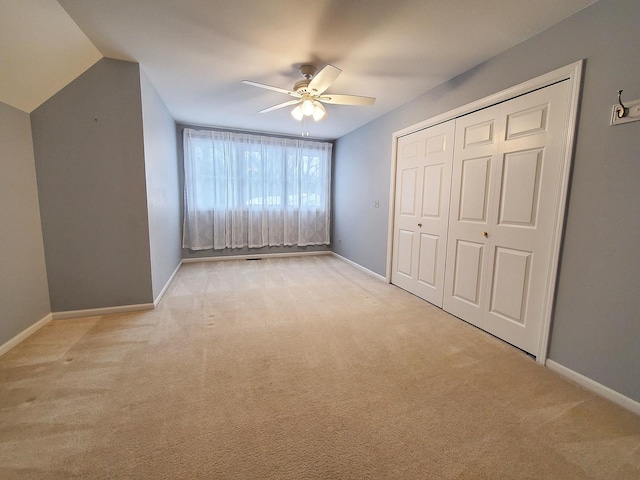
{"x":297,"y":368}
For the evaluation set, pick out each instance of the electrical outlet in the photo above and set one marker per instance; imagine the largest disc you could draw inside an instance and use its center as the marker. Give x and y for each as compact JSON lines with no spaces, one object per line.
{"x":376,"y":204}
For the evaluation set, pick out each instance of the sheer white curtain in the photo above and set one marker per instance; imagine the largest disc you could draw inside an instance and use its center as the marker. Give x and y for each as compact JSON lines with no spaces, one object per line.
{"x":244,"y":190}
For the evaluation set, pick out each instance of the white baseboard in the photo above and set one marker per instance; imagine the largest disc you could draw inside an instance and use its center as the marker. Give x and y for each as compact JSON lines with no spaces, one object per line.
{"x":92,"y":312}
{"x":85,"y":313}
{"x":606,"y":392}
{"x":255,"y":256}
{"x":25,"y":333}
{"x":157,"y":300}
{"x":360,"y":267}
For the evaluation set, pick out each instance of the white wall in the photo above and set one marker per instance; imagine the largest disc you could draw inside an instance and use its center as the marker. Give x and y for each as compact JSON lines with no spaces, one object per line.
{"x":163,"y":194}
{"x":24,"y":295}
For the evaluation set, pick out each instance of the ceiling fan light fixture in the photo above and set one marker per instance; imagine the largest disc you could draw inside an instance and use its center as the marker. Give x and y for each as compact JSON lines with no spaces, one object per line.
{"x":319,"y":112}
{"x":307,"y":107}
{"x":297,"y":113}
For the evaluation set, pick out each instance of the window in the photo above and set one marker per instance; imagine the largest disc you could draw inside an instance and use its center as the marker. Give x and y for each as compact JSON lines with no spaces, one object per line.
{"x":244,"y":190}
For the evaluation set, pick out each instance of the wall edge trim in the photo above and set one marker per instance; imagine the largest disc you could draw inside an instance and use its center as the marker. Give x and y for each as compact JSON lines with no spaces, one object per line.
{"x":23,"y":335}
{"x":601,"y":390}
{"x":158,"y":299}
{"x":360,"y":267}
{"x":92,"y":312}
{"x":256,"y":256}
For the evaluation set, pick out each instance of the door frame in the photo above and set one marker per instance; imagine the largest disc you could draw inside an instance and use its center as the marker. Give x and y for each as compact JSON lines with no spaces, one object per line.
{"x":571,"y":73}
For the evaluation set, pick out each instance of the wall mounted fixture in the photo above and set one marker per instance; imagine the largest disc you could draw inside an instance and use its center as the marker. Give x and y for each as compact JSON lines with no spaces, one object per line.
{"x":621,"y":111}
{"x":625,"y":112}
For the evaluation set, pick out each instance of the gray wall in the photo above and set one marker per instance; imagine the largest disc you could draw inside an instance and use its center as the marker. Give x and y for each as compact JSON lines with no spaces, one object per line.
{"x":88,"y":143}
{"x":163,"y":196}
{"x":24,"y":294}
{"x":186,"y":253}
{"x":596,"y":325}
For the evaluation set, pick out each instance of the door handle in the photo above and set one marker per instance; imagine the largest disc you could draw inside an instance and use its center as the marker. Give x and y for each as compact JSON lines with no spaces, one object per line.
{"x":485,"y":234}
{"x":420,"y":225}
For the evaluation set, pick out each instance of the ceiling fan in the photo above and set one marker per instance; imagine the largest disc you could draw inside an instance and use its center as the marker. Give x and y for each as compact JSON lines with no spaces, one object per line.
{"x":309,"y":93}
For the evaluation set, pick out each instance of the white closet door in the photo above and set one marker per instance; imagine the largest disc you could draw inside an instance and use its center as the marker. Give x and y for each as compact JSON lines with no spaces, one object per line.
{"x":423,"y":178}
{"x":474,"y":163}
{"x":505,"y":196}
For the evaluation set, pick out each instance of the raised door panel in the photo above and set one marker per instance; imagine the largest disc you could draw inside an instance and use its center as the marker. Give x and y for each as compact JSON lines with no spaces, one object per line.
{"x":520,"y":188}
{"x":476,"y":134}
{"x":408,"y":186}
{"x":428,"y":261}
{"x":437,"y":145}
{"x":510,"y":284}
{"x":432,"y":197}
{"x":528,"y":121}
{"x":474,"y":190}
{"x":467,"y":272}
{"x":405,"y":253}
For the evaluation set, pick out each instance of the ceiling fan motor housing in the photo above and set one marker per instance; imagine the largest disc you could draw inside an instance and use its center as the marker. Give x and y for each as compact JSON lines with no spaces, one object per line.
{"x":307,"y":71}
{"x":301,"y":86}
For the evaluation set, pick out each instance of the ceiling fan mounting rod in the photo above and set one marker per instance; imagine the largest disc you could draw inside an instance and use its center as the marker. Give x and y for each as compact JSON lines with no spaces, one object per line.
{"x":307,"y":71}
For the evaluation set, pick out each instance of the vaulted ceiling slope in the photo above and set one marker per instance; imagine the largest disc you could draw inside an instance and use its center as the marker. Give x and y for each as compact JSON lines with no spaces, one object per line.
{"x":41,"y":50}
{"x":196,"y":52}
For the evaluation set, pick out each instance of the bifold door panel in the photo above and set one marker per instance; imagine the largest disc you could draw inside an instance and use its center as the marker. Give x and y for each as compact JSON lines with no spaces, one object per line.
{"x":505,"y":194}
{"x":423,"y":179}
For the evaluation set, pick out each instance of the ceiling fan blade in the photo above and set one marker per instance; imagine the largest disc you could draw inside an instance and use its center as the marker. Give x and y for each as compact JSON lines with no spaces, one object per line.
{"x":269,"y":87}
{"x":340,"y":99}
{"x":280,"y":105}
{"x":323,"y":79}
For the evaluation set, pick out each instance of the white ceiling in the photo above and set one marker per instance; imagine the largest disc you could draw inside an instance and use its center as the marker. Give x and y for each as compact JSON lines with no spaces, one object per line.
{"x":196,"y":52}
